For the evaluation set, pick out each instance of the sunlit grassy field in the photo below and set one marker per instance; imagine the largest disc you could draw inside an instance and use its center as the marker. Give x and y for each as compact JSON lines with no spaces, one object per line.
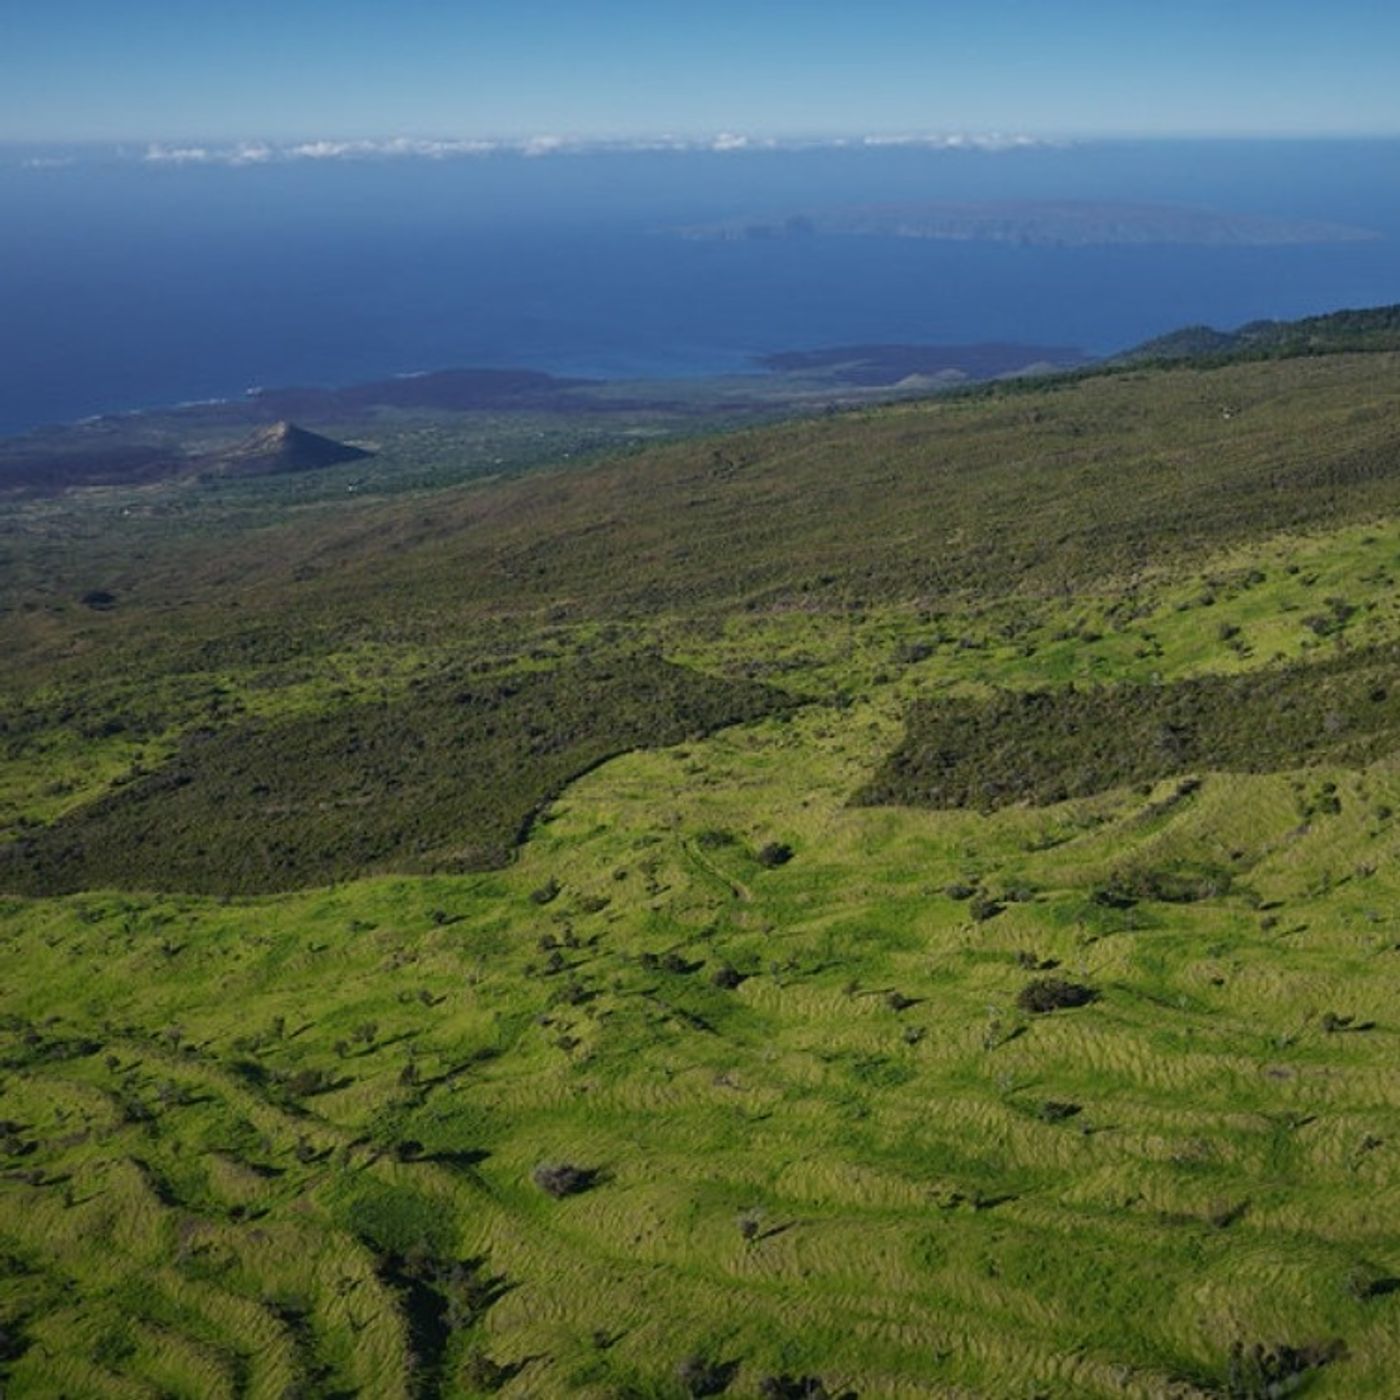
{"x":287,"y":1144}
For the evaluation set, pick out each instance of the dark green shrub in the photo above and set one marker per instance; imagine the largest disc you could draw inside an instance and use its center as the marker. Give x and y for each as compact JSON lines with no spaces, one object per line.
{"x":793,"y":1388}
{"x":1262,"y":1372}
{"x":482,"y":1373}
{"x":449,"y":778}
{"x":560,"y":1179}
{"x":303,"y":1083}
{"x":1046,"y":746}
{"x":546,"y":892}
{"x":1054,"y":994}
{"x":712,"y":839}
{"x":700,"y":1376}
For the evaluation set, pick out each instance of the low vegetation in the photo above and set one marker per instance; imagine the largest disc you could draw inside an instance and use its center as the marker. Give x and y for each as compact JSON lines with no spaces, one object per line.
{"x":444,"y":777}
{"x":414,"y":986}
{"x":1047,"y":746}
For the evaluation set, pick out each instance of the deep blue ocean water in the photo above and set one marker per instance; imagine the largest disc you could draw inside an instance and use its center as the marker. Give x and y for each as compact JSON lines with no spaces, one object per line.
{"x":125,"y":284}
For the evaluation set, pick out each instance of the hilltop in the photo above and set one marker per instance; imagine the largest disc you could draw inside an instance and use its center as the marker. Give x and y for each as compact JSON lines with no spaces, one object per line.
{"x":1337,"y":332}
{"x":283,"y":447}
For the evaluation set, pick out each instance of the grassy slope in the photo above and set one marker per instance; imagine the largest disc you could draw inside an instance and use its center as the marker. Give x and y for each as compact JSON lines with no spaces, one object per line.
{"x":219,"y":1156}
{"x":1028,"y":492}
{"x":1372,"y":328}
{"x":1107,"y":483}
{"x":444,"y":777}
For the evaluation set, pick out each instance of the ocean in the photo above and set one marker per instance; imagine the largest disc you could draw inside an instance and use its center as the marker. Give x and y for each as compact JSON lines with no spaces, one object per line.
{"x":128,"y":283}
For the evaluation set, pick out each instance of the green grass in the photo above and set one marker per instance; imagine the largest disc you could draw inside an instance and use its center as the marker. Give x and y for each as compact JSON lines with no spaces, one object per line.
{"x":445,"y":776}
{"x":930,"y":1231}
{"x":282,"y":1143}
{"x":1108,"y":481}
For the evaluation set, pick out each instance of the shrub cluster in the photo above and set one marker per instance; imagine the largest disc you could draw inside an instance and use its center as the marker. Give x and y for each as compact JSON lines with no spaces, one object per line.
{"x":560,"y":1179}
{"x":447,"y":778}
{"x":1047,"y":746}
{"x":1054,"y":994}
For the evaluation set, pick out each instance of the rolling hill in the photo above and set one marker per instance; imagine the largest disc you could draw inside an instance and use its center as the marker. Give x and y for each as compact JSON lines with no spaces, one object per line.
{"x":894,"y":903}
{"x":281,"y":448}
{"x":1376,"y":328}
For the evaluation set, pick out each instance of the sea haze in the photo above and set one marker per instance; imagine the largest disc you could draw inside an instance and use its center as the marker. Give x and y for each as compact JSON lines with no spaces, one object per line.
{"x":127,"y":283}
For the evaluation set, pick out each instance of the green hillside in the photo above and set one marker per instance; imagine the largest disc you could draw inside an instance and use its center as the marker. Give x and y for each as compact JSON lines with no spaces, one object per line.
{"x":1336,"y":332}
{"x":900,"y":904}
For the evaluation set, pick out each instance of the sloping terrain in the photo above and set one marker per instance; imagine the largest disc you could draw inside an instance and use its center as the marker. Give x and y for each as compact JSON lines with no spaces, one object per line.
{"x":1370,"y":328}
{"x":283,"y":447}
{"x":445,"y":777}
{"x":1030,"y":492}
{"x":890,"y":364}
{"x":1049,"y":745}
{"x":976,"y":978}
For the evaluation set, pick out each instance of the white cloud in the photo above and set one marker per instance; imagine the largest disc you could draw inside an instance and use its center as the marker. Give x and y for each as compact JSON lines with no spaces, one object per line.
{"x":324,"y":150}
{"x":543,"y":145}
{"x":246,"y":153}
{"x":265,"y":153}
{"x":398,"y":147}
{"x":178,"y":155}
{"x":251,"y":153}
{"x":957,"y":141}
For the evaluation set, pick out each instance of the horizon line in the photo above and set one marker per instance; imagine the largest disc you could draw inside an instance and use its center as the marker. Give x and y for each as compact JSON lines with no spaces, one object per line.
{"x":252,"y":150}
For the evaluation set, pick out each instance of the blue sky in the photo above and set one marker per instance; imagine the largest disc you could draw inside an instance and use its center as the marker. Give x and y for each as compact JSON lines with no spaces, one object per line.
{"x":134,"y":70}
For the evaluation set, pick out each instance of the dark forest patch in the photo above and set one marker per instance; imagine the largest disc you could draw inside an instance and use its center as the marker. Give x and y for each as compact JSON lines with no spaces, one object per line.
{"x":1047,"y":746}
{"x":447,"y":778}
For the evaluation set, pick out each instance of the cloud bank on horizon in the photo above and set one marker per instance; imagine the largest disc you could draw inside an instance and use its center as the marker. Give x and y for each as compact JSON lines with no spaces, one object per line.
{"x":256,"y":152}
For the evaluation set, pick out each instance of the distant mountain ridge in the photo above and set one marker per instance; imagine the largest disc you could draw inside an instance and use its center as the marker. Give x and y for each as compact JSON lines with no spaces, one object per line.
{"x":1336,"y":332}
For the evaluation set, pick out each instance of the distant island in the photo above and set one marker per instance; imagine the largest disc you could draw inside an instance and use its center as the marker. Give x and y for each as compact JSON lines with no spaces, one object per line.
{"x":1034,"y":224}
